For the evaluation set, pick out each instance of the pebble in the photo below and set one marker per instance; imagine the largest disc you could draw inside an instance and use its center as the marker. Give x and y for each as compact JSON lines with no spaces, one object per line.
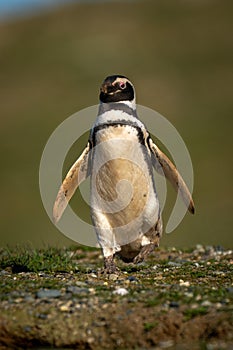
{"x":27,"y":329}
{"x":93,"y":275}
{"x":91,"y":290}
{"x":77,"y":290}
{"x":174,"y":304}
{"x":66,"y":307}
{"x":29,"y":298}
{"x":218,"y":305}
{"x":90,"y":340}
{"x":132,"y":278}
{"x":184,"y":283}
{"x":80,"y":283}
{"x":18,"y":300}
{"x":120,"y":291}
{"x":48,"y":293}
{"x":173,"y":263}
{"x":166,"y":344}
{"x":189,"y":294}
{"x":206,"y":303}
{"x":199,"y":249}
{"x":113,"y":277}
{"x":42,"y":316}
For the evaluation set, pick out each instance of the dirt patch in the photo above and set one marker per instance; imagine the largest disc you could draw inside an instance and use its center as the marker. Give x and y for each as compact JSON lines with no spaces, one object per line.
{"x":171,"y":300}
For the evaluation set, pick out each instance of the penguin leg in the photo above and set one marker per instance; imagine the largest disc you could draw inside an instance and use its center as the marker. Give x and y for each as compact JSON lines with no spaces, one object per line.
{"x":108,"y":254}
{"x":153,"y":236}
{"x":106,"y":239}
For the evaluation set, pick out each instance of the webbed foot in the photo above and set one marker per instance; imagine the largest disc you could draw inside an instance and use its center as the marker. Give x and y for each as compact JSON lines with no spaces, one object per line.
{"x":109,"y":265}
{"x":144,"y":252}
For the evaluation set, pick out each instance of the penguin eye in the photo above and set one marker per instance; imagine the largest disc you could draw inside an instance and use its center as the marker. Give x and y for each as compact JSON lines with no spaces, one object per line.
{"x":122,"y":85}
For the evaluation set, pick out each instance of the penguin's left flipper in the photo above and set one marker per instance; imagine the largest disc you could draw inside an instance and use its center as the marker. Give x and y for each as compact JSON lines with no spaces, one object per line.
{"x":172,"y":174}
{"x":79,"y":171}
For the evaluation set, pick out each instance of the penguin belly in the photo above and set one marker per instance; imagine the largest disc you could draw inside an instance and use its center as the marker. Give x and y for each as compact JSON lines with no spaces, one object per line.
{"x":124,"y":203}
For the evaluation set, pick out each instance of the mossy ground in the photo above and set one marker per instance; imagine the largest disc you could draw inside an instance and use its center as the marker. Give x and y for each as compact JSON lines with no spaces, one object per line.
{"x":60,"y":298}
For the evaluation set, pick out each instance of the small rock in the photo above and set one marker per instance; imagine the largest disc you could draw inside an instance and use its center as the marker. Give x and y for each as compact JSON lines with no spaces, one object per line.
{"x":132,"y":278}
{"x":27,"y":329}
{"x":159,"y":277}
{"x":80,"y":283}
{"x":199,"y":249}
{"x":42,"y":316}
{"x":174,"y":304}
{"x":29,"y":298}
{"x":66,"y":307}
{"x":166,"y":344}
{"x":218,"y":305}
{"x":43,"y":274}
{"x":18,"y":300}
{"x":48,"y":293}
{"x":77,"y":290}
{"x":113,"y":277}
{"x":189,"y":294}
{"x":184,"y":283}
{"x":230,"y":290}
{"x":120,"y":291}
{"x":91,"y":290}
{"x":210,"y":250}
{"x":173,"y":263}
{"x":129,"y":312}
{"x":93,"y":275}
{"x":206,"y":303}
{"x":90,"y":340}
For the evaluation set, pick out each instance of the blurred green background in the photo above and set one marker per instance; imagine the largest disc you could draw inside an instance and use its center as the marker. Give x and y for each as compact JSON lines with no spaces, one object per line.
{"x":179,"y":54}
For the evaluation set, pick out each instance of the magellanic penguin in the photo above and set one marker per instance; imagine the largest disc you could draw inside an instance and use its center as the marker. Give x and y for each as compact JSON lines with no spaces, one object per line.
{"x":119,"y":157}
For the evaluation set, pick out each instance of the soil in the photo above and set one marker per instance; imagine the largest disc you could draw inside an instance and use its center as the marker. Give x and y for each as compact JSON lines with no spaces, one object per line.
{"x":174,"y":300}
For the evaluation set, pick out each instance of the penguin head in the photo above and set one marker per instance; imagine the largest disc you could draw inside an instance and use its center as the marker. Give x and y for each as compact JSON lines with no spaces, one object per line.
{"x":116,"y":88}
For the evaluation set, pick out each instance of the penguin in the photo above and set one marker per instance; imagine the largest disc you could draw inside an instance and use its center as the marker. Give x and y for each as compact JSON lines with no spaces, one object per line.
{"x":119,"y":158}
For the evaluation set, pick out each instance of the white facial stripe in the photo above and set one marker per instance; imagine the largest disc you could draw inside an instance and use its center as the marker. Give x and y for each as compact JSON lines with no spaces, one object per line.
{"x":112,"y":93}
{"x":121,"y":80}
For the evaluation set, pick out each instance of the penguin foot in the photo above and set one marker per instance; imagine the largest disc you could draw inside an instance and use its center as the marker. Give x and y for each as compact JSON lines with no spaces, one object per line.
{"x":109,"y":265}
{"x":144,"y":252}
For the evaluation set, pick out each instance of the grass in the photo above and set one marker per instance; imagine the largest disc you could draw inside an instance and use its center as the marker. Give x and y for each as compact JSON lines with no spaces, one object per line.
{"x":179,"y":57}
{"x":157,"y":306}
{"x":191,"y":313}
{"x":148,"y":326}
{"x":35,"y":260}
